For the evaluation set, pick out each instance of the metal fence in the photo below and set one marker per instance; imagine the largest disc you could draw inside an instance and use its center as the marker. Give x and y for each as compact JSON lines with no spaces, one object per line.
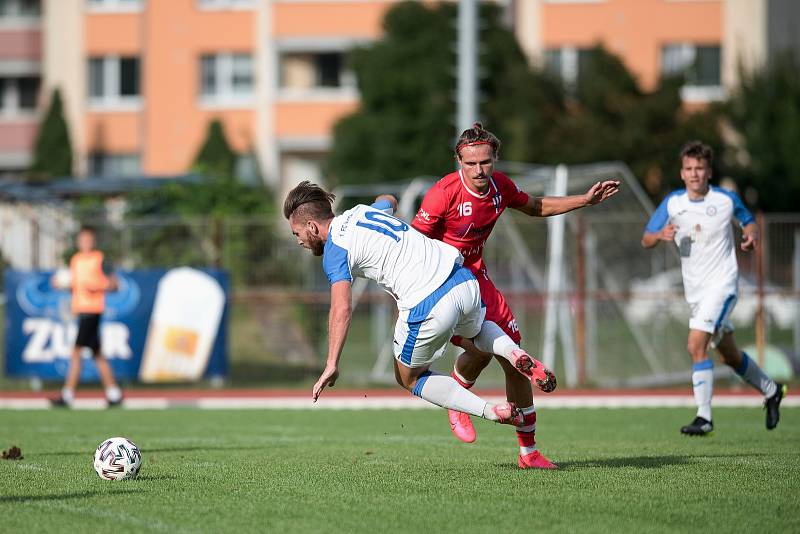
{"x":622,"y":317}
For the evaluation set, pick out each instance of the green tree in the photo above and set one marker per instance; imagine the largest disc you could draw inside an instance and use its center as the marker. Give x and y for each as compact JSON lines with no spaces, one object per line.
{"x":611,"y":118}
{"x":216,"y":157}
{"x":765,"y":112}
{"x":210,"y":219}
{"x":405,"y":124}
{"x":52,"y":153}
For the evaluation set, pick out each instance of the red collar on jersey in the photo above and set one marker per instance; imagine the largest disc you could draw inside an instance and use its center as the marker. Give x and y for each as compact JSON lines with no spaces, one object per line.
{"x":473,"y":143}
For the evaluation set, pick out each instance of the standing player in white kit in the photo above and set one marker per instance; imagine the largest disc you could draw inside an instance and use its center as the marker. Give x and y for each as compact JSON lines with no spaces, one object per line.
{"x":698,"y":219}
{"x":437,"y":297}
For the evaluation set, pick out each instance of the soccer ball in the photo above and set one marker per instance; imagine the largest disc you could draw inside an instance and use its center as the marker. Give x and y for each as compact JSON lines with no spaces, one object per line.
{"x":62,"y":278}
{"x":117,"y":459}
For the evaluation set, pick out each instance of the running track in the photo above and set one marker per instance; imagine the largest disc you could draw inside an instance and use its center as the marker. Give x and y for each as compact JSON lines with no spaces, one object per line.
{"x":352,"y":399}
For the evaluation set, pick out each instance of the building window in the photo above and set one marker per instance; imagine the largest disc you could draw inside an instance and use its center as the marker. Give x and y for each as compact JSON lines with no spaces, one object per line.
{"x":566,"y":63}
{"x":225,"y":4}
{"x":226,"y":78}
{"x":114,"y":165}
{"x":315,"y":70}
{"x":699,"y":64}
{"x":22,"y":9}
{"x":115,"y":5}
{"x":114,"y":81}
{"x":19,"y":95}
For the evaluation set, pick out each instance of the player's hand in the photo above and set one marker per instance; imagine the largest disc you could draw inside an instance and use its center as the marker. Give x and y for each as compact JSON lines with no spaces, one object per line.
{"x":327,"y":378}
{"x":668,"y":232}
{"x":601,"y":191}
{"x":749,"y":242}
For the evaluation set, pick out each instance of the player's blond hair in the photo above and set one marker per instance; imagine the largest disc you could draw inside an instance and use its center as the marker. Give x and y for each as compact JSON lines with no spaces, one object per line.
{"x":477,"y":135}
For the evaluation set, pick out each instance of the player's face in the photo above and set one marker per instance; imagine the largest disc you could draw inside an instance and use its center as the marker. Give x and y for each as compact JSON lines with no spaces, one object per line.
{"x":85,"y":241}
{"x":477,"y":166}
{"x":308,"y":236}
{"x":695,"y":174}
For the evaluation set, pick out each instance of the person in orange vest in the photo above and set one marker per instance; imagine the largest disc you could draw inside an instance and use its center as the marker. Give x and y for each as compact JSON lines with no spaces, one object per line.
{"x":90,"y":278}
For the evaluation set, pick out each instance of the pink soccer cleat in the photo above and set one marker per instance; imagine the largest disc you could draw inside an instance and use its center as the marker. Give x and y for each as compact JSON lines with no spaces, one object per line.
{"x":461,"y":426}
{"x":535,"y":370}
{"x":535,"y":460}
{"x":508,"y":414}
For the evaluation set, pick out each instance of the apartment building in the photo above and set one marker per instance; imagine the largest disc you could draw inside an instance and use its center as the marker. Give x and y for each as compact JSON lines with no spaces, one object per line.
{"x":20,"y":78}
{"x":706,"y":40}
{"x":141,"y":79}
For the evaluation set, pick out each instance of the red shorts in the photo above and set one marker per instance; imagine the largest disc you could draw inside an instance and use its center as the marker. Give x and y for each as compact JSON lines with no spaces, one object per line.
{"x":497,"y":309}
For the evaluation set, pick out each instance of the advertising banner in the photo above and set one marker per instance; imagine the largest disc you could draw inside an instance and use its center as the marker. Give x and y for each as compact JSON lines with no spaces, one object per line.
{"x":160,"y":325}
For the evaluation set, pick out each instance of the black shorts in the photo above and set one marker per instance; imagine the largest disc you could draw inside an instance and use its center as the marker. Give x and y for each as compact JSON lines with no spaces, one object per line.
{"x":89,"y":331}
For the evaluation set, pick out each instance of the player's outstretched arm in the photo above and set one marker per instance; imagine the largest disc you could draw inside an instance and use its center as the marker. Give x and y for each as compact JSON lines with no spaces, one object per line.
{"x":750,"y":237}
{"x":549,"y":206}
{"x":338,"y":325}
{"x":651,"y":239}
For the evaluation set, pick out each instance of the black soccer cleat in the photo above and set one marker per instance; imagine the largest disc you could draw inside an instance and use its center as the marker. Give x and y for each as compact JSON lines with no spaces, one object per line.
{"x":115,"y":404}
{"x":59,"y":402}
{"x":698,"y":427}
{"x":773,"y":404}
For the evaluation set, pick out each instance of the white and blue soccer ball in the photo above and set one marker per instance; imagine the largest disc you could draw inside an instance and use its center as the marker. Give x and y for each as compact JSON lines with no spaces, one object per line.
{"x":117,"y":459}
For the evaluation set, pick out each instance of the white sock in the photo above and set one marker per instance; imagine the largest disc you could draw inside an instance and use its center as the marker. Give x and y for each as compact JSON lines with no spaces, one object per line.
{"x":755,"y":376}
{"x":113,"y":394}
{"x":444,"y":391}
{"x":703,"y":385}
{"x":68,"y":395}
{"x":492,"y":339}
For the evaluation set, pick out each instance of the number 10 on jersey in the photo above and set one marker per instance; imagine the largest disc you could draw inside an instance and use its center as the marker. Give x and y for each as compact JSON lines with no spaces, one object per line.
{"x":386,"y":224}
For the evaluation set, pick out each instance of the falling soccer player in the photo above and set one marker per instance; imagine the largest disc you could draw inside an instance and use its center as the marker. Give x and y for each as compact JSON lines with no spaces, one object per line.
{"x":698,"y":219}
{"x":437,"y":297}
{"x":461,"y":209}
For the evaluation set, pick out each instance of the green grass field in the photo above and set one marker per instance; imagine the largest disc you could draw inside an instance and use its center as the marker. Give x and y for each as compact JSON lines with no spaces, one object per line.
{"x":400,"y":471}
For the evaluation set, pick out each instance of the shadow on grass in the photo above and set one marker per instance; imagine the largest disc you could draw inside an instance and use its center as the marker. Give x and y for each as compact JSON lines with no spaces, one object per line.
{"x":640,"y":462}
{"x":62,"y":496}
{"x":644,"y":462}
{"x":148,"y":478}
{"x":191,"y":448}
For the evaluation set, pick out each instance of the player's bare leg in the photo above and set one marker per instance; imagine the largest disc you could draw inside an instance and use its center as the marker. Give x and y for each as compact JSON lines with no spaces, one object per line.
{"x":113,"y":393}
{"x":71,"y":382}
{"x":751,"y":373}
{"x":466,"y":369}
{"x":518,"y":392}
{"x":444,"y":391}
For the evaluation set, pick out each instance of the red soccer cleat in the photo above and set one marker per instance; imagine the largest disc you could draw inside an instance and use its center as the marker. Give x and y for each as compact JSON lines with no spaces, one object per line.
{"x":461,"y":426}
{"x":535,"y":460}
{"x":508,"y":414}
{"x":542,"y":377}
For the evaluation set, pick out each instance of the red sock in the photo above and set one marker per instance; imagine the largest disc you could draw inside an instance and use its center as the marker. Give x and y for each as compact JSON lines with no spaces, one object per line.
{"x":526,"y":434}
{"x":461,"y":380}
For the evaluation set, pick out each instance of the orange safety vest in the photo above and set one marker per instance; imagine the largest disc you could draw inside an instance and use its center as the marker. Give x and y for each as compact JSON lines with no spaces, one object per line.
{"x":89,"y":282}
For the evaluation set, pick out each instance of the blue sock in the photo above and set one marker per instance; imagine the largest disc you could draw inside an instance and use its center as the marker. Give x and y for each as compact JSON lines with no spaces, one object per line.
{"x":755,"y":376}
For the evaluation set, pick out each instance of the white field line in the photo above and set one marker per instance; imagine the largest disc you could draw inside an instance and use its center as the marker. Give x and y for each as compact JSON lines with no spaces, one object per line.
{"x":393,"y":403}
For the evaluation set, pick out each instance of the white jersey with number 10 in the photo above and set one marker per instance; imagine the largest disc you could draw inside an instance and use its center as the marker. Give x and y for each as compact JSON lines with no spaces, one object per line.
{"x":368,"y":242}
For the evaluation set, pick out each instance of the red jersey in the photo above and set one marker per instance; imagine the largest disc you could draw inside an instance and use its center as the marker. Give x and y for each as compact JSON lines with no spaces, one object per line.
{"x":453,"y":213}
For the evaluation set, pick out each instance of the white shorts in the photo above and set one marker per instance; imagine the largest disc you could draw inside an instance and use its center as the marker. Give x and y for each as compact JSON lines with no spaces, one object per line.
{"x":712,"y":314}
{"x":422,"y":333}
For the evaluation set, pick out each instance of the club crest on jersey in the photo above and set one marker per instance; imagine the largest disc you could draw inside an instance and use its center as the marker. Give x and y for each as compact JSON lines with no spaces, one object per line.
{"x":711,"y":211}
{"x":497,"y":200}
{"x":422,"y":214}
